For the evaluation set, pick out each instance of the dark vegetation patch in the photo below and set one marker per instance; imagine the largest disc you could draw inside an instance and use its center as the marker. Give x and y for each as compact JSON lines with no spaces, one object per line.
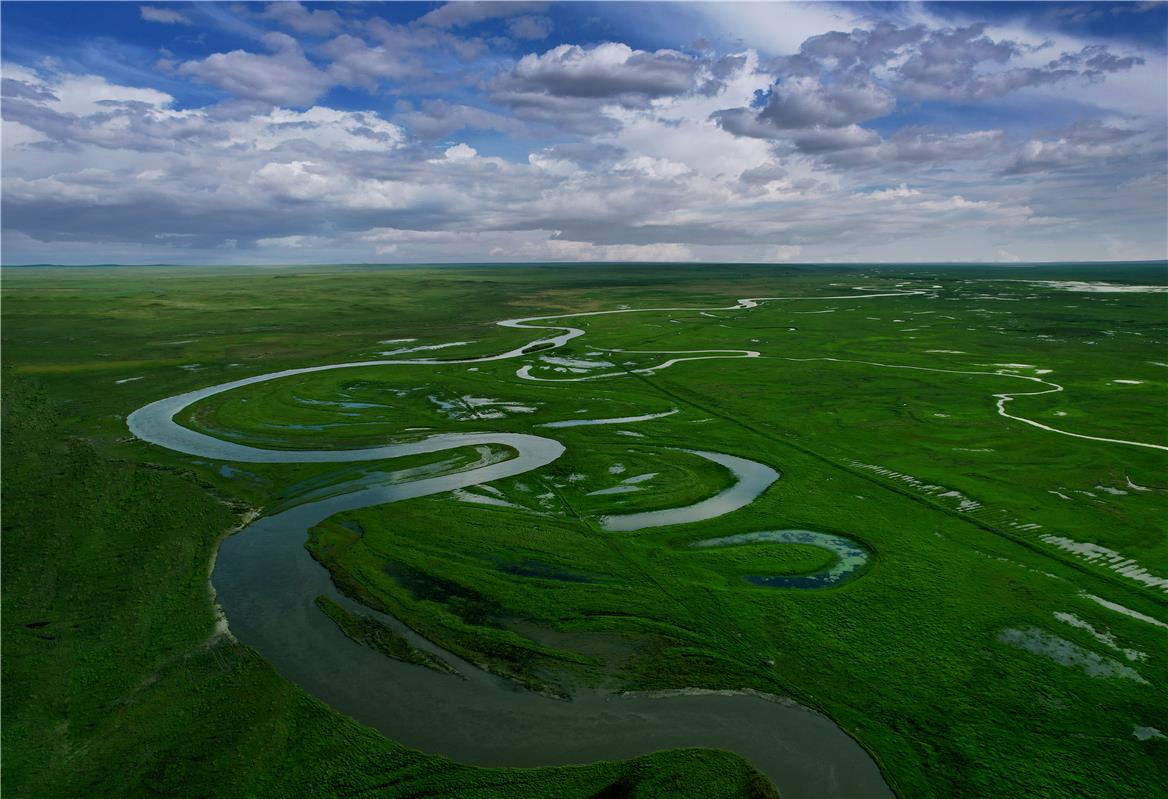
{"x":542,"y":571}
{"x":466,"y":603}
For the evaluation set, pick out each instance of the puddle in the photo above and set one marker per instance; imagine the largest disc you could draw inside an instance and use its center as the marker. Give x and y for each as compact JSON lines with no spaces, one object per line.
{"x":1125,"y":611}
{"x":851,"y":557}
{"x":577,"y":365}
{"x":1062,"y":651}
{"x":466,"y":495}
{"x":477,"y":408}
{"x":1104,"y":636}
{"x":423,"y":347}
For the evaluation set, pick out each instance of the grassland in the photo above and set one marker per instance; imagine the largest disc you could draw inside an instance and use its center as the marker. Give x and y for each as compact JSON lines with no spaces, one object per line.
{"x":118,"y":685}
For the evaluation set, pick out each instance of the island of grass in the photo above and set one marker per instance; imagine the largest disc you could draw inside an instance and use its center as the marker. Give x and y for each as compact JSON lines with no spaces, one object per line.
{"x":367,"y":630}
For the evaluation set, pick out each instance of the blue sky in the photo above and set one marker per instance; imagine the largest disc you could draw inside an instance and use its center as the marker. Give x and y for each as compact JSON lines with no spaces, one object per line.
{"x":525,"y":131}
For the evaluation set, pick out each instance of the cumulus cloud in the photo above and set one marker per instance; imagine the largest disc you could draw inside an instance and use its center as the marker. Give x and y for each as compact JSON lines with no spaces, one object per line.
{"x":966,"y":64}
{"x":569,"y":85}
{"x":415,"y":38}
{"x":318,"y":127}
{"x":911,"y":147}
{"x":862,"y":47}
{"x":1084,"y":145}
{"x":859,"y":147}
{"x":803,"y":102}
{"x":285,"y":77}
{"x":322,"y":184}
{"x":78,"y":109}
{"x":833,"y":139}
{"x":609,"y":70}
{"x":838,"y":79}
{"x":580,"y":115}
{"x":437,"y":119}
{"x":592,"y":151}
{"x":460,"y":152}
{"x":88,"y":108}
{"x":356,"y":63}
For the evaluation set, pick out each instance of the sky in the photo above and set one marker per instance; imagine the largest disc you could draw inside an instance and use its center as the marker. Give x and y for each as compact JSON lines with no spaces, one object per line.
{"x":241,"y":133}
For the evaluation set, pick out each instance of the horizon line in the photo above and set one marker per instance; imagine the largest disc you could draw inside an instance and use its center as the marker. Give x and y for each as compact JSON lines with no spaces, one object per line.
{"x":1014,"y":264}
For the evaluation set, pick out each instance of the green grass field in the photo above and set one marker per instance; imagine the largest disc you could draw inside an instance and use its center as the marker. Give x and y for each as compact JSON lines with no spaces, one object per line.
{"x":117,"y":685}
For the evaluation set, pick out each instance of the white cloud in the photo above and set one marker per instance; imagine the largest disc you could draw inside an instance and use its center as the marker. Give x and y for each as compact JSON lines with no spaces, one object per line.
{"x":610,"y":69}
{"x":901,"y":192}
{"x":461,"y":14}
{"x":325,"y":128}
{"x":320,"y":183}
{"x":356,"y":63}
{"x":293,"y":15}
{"x":518,"y":245}
{"x":782,"y":252}
{"x":608,"y":152}
{"x":286,"y":77}
{"x":460,"y":152}
{"x":529,"y":27}
{"x":165,"y":16}
{"x":576,"y":88}
{"x":293,"y":242}
{"x":90,"y":94}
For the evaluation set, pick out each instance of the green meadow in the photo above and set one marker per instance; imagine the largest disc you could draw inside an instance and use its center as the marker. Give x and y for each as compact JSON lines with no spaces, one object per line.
{"x":978,"y":652}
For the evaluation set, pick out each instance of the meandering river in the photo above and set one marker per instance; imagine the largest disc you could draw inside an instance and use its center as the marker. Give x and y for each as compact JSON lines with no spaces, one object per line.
{"x":267,"y":584}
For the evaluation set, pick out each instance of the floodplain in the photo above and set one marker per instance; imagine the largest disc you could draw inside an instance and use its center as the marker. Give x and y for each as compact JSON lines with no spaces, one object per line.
{"x":914,"y":514}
